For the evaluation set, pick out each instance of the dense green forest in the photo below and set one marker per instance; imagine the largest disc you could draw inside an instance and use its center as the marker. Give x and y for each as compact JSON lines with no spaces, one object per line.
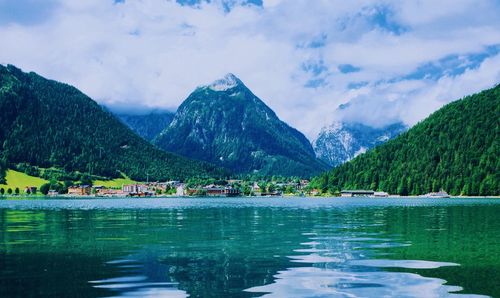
{"x":48,"y":124}
{"x":455,"y":149}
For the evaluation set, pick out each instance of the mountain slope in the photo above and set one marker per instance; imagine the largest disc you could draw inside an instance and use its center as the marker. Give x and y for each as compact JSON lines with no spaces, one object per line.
{"x":341,"y":142}
{"x":457,"y":149}
{"x":147,"y":126}
{"x":226,"y":124}
{"x":49,"y":124}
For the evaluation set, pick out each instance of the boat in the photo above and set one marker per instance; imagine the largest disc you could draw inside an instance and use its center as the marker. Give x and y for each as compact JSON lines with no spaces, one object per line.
{"x":439,"y":194}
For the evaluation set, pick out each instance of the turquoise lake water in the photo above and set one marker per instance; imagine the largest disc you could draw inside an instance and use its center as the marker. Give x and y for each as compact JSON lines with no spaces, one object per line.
{"x":250,"y":247}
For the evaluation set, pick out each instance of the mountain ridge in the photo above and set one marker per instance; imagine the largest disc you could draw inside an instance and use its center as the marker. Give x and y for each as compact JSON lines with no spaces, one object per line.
{"x":226,"y":124}
{"x":343,"y":141}
{"x":148,"y":126}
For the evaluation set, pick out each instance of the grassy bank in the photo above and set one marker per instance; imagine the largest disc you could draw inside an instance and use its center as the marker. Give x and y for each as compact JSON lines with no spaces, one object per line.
{"x":21,"y":180}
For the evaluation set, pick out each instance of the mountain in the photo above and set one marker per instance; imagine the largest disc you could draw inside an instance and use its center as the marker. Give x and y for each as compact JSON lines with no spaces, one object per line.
{"x":341,"y":141}
{"x":226,"y":124}
{"x":147,"y":126}
{"x":49,"y":124}
{"x":456,"y":149}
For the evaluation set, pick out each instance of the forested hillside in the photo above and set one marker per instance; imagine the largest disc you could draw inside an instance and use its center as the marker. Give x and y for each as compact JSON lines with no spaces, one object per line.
{"x":149,"y":125}
{"x":48,"y":124}
{"x":456,"y":149}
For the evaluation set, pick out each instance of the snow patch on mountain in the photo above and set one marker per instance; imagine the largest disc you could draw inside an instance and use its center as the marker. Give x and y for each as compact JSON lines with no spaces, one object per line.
{"x":341,"y":142}
{"x":360,"y":151}
{"x":228,"y":82}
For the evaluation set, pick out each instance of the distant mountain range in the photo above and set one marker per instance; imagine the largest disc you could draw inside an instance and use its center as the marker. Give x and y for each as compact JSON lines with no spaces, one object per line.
{"x":148,"y":126}
{"x":456,"y":149}
{"x":49,"y":124}
{"x":341,"y":142}
{"x":226,"y":124}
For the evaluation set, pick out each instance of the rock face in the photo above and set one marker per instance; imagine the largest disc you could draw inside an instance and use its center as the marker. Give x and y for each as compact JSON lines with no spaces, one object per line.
{"x":226,"y":124}
{"x":341,"y":142}
{"x":147,"y":126}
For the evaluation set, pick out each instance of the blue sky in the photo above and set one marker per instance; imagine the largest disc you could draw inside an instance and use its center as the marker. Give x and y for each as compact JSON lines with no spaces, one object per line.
{"x":385,"y":61}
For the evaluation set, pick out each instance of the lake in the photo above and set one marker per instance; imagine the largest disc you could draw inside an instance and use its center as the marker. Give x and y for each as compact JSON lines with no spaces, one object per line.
{"x":250,"y":247}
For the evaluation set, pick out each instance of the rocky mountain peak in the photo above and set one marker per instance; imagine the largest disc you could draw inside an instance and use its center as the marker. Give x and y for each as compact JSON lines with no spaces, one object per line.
{"x":229,"y":81}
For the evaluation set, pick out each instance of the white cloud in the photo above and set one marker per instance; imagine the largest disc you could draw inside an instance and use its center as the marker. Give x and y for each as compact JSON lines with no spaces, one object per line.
{"x":155,"y":52}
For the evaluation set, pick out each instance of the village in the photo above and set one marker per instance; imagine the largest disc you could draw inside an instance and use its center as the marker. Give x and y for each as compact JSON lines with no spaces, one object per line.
{"x":220,"y":188}
{"x":225,"y":188}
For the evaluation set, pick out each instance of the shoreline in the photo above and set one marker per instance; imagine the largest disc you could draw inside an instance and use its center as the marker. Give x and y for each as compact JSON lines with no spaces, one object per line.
{"x":42,"y":197}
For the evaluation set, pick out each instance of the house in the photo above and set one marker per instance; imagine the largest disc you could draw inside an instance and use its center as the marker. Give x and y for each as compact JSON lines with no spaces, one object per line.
{"x":82,"y":190}
{"x":357,"y":193}
{"x":191,"y":191}
{"x":180,"y":190}
{"x":231,"y":192}
{"x":140,"y":190}
{"x":213,"y":190}
{"x":315,"y":192}
{"x":52,"y":193}
{"x":256,"y":189}
{"x":109,"y":192}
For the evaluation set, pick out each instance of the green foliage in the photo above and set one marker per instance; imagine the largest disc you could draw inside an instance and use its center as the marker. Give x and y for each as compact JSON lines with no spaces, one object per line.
{"x":3,"y":170}
{"x":455,"y":149}
{"x":236,"y":130}
{"x":2,"y":191}
{"x":289,"y":190}
{"x":52,"y":125}
{"x":16,"y":191}
{"x":44,"y":189}
{"x":53,"y":185}
{"x":86,"y":180}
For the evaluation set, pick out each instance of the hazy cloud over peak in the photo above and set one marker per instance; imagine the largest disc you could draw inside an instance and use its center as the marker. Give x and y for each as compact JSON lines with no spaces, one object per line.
{"x":391,"y":60}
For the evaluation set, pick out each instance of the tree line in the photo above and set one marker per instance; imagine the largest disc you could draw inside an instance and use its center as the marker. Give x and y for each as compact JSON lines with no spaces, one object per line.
{"x":455,"y":149}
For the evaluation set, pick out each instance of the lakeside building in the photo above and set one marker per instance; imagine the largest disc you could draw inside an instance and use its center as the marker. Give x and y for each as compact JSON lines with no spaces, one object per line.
{"x":180,"y":190}
{"x":314,"y":192}
{"x":357,"y":193}
{"x":303,"y":184}
{"x":140,"y":190}
{"x":82,"y":190}
{"x":213,"y":190}
{"x":256,"y":189}
{"x":101,"y":191}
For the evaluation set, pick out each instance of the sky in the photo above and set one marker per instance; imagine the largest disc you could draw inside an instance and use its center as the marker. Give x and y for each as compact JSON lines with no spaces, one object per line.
{"x":312,"y":61}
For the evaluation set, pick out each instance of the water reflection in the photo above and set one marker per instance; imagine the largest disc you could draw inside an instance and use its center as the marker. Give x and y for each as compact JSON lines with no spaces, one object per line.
{"x":344,"y":267}
{"x":219,"y":249}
